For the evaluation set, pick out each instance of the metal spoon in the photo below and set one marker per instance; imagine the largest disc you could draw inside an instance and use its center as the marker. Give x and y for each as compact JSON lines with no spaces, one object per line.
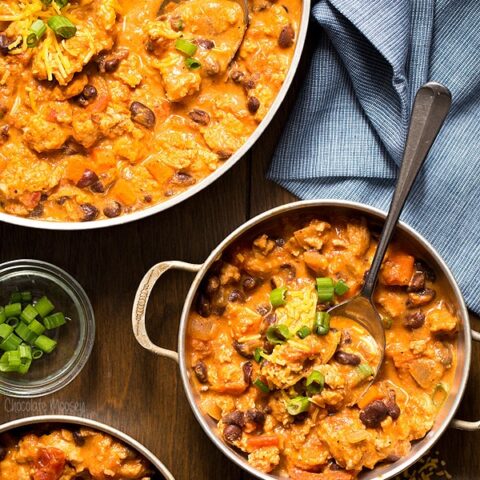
{"x":246,"y":20}
{"x":430,"y":108}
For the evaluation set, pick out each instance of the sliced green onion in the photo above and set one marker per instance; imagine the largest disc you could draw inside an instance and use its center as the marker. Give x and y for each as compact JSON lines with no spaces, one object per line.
{"x":297,"y":405}
{"x":185,"y":46}
{"x":3,"y":317}
{"x":46,"y":2}
{"x":192,"y":63}
{"x":37,"y":354}
{"x":26,"y":297}
{"x":36,"y":327}
{"x":387,"y":322}
{"x":25,"y":351}
{"x":15,"y":297}
{"x":44,"y":306}
{"x":36,"y":32}
{"x":62,"y":26}
{"x":25,"y":333}
{"x":341,"y":288}
{"x":180,"y":24}
{"x":315,"y":383}
{"x":277,"y":297}
{"x":13,"y":310}
{"x":263,"y":387}
{"x":440,"y":394}
{"x":61,"y":3}
{"x":5,"y":330}
{"x":13,"y":322}
{"x":257,"y":355}
{"x":10,"y":343}
{"x":10,"y":361}
{"x":45,"y":344}
{"x":364,"y":371}
{"x":277,"y":334}
{"x":29,"y":313}
{"x":25,"y":366}
{"x":325,"y":289}
{"x":54,"y":321}
{"x":304,"y":332}
{"x":322,"y":323}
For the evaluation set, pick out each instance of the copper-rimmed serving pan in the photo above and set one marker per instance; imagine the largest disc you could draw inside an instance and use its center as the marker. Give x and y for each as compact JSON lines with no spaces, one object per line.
{"x":160,"y":207}
{"x":60,"y":420}
{"x":419,"y":245}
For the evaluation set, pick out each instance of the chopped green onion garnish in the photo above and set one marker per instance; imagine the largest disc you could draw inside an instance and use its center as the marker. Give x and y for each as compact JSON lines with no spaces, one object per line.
{"x":277,"y":297}
{"x":25,"y":351}
{"x":13,"y":321}
{"x":54,"y":321}
{"x":277,"y":334}
{"x":341,"y":288}
{"x":387,"y":322}
{"x":46,"y":2}
{"x":61,"y":3}
{"x":185,"y":46}
{"x":44,"y":306}
{"x":25,"y":366}
{"x":263,"y":387}
{"x":297,"y":405}
{"x":322,"y":323}
{"x":25,"y":333}
{"x":62,"y":26}
{"x":36,"y":32}
{"x":5,"y":330}
{"x":10,"y":343}
{"x":13,"y":310}
{"x":365,"y":370}
{"x":29,"y":313}
{"x":192,"y":63}
{"x":3,"y":317}
{"x":26,"y":297}
{"x":45,"y":344}
{"x":37,"y":354}
{"x":315,"y":383}
{"x":15,"y":297}
{"x":257,"y":355}
{"x":325,"y":289}
{"x":304,"y":332}
{"x":36,"y":327}
{"x":10,"y":361}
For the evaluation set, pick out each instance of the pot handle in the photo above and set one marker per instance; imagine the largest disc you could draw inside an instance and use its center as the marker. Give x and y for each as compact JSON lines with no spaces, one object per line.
{"x":141,"y":301}
{"x":463,"y":424}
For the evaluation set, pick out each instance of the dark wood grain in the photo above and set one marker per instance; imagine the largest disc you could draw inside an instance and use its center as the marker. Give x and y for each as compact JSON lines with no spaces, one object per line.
{"x":131,"y":389}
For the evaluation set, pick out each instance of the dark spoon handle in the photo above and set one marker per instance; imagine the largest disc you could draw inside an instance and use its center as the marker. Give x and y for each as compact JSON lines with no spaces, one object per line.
{"x":432,"y":103}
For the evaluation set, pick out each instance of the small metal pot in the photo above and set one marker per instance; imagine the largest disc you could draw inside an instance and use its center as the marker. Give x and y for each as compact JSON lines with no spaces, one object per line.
{"x":445,"y":417}
{"x":93,"y":424}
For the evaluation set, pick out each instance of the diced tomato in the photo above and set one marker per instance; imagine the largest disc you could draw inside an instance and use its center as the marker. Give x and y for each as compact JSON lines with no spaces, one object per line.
{"x":260,"y":441}
{"x":49,"y":465}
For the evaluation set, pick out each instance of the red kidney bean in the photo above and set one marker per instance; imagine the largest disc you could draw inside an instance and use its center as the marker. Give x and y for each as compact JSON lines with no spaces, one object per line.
{"x":374,"y":414}
{"x":248,"y":283}
{"x":417,"y":282}
{"x":253,"y":104}
{"x":78,"y":439}
{"x":247,"y":368}
{"x":414,"y":320}
{"x":199,"y":116}
{"x":203,"y":306}
{"x":345,"y":358}
{"x":183,"y":178}
{"x":205,"y":43}
{"x":417,"y":299}
{"x":234,"y":418}
{"x":286,"y":37}
{"x":255,"y":416}
{"x":232,"y":433}
{"x":113,"y":210}
{"x":98,"y":187}
{"x":242,"y":349}
{"x":90,"y":212}
{"x":88,"y":178}
{"x":236,"y":296}
{"x":237,"y":76}
{"x":200,"y":370}
{"x":142,"y":115}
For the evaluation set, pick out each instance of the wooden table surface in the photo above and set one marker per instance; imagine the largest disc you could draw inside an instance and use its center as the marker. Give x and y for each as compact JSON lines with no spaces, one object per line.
{"x":131,"y":389}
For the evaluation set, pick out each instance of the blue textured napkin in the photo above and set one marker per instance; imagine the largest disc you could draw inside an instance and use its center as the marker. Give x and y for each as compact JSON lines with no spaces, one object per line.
{"x":346,"y":134}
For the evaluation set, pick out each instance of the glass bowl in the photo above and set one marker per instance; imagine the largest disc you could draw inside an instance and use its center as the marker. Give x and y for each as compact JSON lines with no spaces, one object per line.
{"x":75,"y":339}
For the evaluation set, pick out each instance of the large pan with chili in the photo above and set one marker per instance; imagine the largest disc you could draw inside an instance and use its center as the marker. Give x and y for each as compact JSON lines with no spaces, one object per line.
{"x":110,"y":112}
{"x":272,"y":380}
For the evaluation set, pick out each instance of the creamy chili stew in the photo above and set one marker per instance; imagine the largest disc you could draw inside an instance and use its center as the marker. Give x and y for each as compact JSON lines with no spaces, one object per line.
{"x":285,"y":382}
{"x":67,"y":454}
{"x":112,"y":109}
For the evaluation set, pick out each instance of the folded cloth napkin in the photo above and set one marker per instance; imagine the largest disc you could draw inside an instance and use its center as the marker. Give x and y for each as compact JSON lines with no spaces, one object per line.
{"x":347,"y":132}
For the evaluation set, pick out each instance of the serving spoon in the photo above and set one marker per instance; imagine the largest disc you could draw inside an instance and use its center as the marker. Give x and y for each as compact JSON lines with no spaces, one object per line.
{"x":431,"y":105}
{"x":246,"y":20}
